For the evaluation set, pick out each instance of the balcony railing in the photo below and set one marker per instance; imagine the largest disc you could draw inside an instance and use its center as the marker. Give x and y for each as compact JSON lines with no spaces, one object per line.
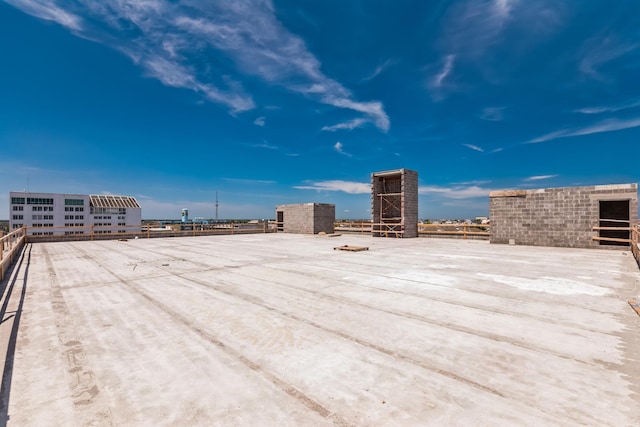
{"x":10,"y":246}
{"x":635,"y":242}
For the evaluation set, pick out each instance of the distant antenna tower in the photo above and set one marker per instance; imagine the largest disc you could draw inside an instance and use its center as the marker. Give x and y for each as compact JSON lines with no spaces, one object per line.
{"x":216,"y":206}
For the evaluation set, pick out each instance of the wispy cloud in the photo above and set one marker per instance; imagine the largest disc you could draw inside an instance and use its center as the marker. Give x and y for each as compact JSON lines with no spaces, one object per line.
{"x":260,"y":121}
{"x":49,"y":12}
{"x":249,"y":181}
{"x":349,"y":187}
{"x":608,"y":108}
{"x":348,"y":125}
{"x":456,"y":191}
{"x":266,"y":145}
{"x":379,"y":69}
{"x":169,"y":39}
{"x":539,"y":177}
{"x":340,"y":149}
{"x":493,"y":114}
{"x":602,"y":49}
{"x":438,"y":80}
{"x":474,"y":147}
{"x":472,"y":26}
{"x":609,"y":125}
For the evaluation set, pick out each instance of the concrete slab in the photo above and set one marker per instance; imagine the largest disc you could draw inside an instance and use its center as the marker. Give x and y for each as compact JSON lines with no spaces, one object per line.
{"x":281,"y":329}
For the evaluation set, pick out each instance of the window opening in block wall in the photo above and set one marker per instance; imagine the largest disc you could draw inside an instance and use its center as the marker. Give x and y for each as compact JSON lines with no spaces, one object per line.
{"x":280,"y":220}
{"x":614,"y":214}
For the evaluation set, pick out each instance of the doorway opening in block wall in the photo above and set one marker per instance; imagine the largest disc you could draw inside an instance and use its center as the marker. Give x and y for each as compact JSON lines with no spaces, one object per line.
{"x":614,"y":222}
{"x":280,"y":220}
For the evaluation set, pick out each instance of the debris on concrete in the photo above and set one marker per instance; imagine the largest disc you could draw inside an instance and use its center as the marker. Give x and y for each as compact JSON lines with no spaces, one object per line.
{"x":351,"y":248}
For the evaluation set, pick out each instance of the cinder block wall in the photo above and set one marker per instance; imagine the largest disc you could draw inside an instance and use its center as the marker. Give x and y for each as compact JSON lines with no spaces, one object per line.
{"x":562,"y":217}
{"x":410,"y":203}
{"x":308,"y":218}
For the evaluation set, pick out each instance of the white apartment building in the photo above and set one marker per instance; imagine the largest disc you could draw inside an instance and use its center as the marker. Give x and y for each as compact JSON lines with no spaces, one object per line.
{"x":47,"y":214}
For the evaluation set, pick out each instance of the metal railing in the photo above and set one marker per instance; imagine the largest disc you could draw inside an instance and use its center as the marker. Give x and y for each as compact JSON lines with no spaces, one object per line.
{"x":635,"y":242}
{"x":103,"y":232}
{"x":476,"y":231}
{"x":10,"y":246}
{"x":464,"y":231}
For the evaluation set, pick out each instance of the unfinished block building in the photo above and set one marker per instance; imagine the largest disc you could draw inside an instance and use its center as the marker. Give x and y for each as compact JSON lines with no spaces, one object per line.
{"x":580,"y":217}
{"x":394,"y":203}
{"x":306,"y":218}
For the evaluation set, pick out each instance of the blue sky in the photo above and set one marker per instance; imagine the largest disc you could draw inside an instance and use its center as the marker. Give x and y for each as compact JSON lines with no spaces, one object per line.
{"x":272,"y":102}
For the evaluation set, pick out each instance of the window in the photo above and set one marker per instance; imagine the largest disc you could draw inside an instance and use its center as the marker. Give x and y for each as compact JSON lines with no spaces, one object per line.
{"x":79,"y":209}
{"x":74,"y":202}
{"x":39,"y":201}
{"x":18,"y":208}
{"x":47,"y":217}
{"x":17,"y":217}
{"x":36,"y":217}
{"x":36,"y":208}
{"x":17,"y":200}
{"x":18,"y":225}
{"x":79,"y":216}
{"x":48,"y":208}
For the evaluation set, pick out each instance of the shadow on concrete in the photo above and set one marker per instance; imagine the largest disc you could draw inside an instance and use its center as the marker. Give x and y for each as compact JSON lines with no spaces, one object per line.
{"x":6,"y":289}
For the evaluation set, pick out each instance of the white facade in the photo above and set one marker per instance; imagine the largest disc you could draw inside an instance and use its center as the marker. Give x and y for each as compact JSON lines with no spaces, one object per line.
{"x":65,"y":214}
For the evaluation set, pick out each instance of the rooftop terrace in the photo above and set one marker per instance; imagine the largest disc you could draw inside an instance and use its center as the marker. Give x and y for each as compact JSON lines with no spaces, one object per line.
{"x":280,"y":329}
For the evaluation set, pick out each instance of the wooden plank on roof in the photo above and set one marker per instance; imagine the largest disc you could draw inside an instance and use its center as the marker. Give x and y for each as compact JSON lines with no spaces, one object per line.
{"x":351,"y":248}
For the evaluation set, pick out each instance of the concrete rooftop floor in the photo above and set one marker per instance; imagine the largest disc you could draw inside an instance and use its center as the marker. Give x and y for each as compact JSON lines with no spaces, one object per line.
{"x":281,"y":329}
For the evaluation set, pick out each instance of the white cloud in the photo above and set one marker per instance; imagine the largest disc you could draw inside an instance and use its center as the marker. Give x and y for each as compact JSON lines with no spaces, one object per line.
{"x":266,"y":145}
{"x":249,"y":181}
{"x":169,"y":39}
{"x":609,"y":125}
{"x":539,"y":177}
{"x":493,"y":114}
{"x":49,"y":12}
{"x":260,"y":121}
{"x":348,"y":125}
{"x":608,"y":108}
{"x":338,"y":185}
{"x":474,"y":147}
{"x":379,"y":69}
{"x":472,"y":26}
{"x":601,"y":49}
{"x":339,"y":148}
{"x":456,"y":192}
{"x":444,"y":72}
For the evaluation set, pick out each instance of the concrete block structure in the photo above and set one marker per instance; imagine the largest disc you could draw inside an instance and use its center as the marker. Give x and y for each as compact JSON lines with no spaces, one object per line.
{"x":580,"y":217}
{"x":306,"y":218}
{"x":394,"y":203}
